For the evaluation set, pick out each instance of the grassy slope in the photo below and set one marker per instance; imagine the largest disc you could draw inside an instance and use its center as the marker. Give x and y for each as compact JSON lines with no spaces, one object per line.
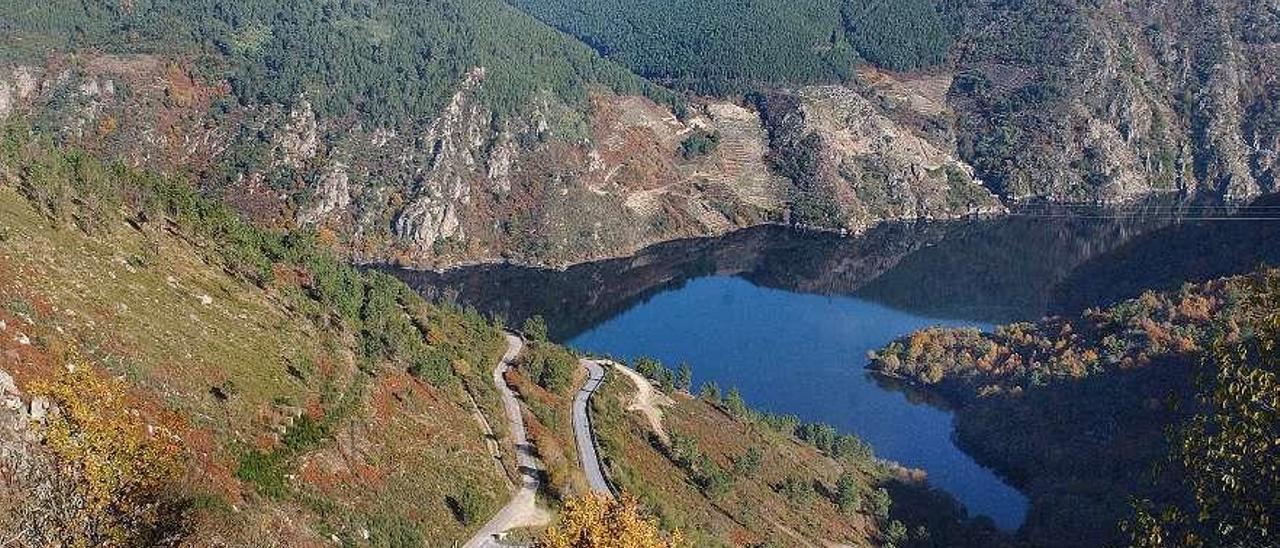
{"x":751,"y":511}
{"x":129,"y":300}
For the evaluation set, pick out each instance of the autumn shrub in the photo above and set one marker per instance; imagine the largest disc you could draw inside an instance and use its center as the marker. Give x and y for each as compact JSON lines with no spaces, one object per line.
{"x":1154,"y":327}
{"x":597,"y":521}
{"x":1226,"y":458}
{"x":114,"y":466}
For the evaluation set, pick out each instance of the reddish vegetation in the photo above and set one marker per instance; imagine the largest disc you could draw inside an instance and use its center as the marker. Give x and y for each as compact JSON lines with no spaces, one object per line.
{"x":1125,"y":336}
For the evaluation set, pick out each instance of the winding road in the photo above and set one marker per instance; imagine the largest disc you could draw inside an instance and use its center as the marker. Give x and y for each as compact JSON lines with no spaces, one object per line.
{"x":582,"y":427}
{"x":522,"y":510}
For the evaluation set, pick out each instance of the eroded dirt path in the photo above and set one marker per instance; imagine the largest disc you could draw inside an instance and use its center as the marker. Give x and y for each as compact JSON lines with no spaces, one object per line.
{"x":523,"y":509}
{"x":648,"y":401}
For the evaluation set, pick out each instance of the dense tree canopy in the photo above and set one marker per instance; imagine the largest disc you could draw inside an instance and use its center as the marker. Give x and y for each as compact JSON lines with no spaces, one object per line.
{"x":720,"y":46}
{"x":1229,"y":452}
{"x":894,"y":34}
{"x":390,"y":61}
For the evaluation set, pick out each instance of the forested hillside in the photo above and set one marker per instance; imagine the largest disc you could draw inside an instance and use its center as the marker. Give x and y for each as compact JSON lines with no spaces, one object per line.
{"x":723,"y":46}
{"x":1075,"y":411}
{"x":390,"y":62}
{"x":1111,"y":100}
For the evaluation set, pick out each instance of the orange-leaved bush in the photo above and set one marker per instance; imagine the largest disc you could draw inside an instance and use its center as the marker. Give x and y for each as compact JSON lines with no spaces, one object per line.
{"x":598,"y":521}
{"x":113,"y":466}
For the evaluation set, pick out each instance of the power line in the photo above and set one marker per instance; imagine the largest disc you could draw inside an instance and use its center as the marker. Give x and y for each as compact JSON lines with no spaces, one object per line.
{"x":1190,"y":218}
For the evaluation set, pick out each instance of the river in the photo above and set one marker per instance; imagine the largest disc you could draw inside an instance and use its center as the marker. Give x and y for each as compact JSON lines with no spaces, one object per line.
{"x":788,"y":317}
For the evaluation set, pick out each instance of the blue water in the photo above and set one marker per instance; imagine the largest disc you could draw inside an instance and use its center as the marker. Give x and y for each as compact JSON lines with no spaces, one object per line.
{"x":804,"y":354}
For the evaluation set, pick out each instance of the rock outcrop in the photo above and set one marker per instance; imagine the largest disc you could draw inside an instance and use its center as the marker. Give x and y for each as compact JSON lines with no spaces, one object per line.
{"x":861,"y":156}
{"x":1062,"y":100}
{"x":1112,"y":101}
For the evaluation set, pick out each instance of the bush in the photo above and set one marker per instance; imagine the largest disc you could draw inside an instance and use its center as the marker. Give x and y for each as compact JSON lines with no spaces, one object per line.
{"x":749,"y":462}
{"x":797,"y":490}
{"x":535,"y":328}
{"x":848,"y":497}
{"x":265,"y":471}
{"x":468,"y":506}
{"x":699,"y":143}
{"x":114,"y":470}
{"x":550,"y":366}
{"x":880,"y":503}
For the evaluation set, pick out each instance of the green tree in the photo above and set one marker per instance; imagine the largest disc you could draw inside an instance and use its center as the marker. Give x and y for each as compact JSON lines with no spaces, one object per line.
{"x":685,"y":379}
{"x":797,"y":490}
{"x":535,"y":328}
{"x":749,"y":462}
{"x":710,"y":391}
{"x":648,"y":367}
{"x":734,"y":404}
{"x":1228,"y":452}
{"x":550,"y":366}
{"x":848,"y":497}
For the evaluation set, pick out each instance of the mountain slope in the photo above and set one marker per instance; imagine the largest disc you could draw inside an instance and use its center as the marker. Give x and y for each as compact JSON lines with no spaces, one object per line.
{"x":391,"y":63}
{"x":720,"y":47}
{"x":473,"y":132}
{"x":298,"y":391}
{"x":1110,"y":101}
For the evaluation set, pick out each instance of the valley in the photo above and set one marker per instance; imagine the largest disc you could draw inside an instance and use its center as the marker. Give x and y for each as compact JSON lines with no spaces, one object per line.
{"x":569,"y":273}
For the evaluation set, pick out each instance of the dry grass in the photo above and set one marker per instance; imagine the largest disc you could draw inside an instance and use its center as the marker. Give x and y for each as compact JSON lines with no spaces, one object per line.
{"x":238,"y":363}
{"x":752,"y":510}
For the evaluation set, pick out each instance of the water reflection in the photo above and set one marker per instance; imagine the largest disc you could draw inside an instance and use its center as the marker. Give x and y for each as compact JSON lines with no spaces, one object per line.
{"x":788,"y":316}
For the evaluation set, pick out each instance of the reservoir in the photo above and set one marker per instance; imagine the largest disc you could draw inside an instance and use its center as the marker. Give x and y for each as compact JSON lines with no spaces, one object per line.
{"x":788,"y":317}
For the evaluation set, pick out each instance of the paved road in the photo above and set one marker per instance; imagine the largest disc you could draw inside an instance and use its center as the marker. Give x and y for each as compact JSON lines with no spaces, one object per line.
{"x":522,"y":510}
{"x":582,"y":428}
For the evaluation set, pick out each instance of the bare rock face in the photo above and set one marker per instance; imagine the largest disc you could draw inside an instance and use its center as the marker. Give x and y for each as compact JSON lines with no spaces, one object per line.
{"x":333,"y":195}
{"x":19,"y":84}
{"x":298,"y":140}
{"x":454,"y":140}
{"x":857,"y":156}
{"x":1112,"y":101}
{"x":7,"y":99}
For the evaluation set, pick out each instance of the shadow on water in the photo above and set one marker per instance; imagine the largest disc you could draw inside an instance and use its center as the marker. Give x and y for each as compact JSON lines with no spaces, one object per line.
{"x":788,"y":316}
{"x":1002,"y":270}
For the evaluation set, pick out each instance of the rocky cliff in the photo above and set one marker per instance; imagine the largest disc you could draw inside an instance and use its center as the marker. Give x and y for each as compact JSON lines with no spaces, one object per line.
{"x":1109,"y":101}
{"x":555,"y":184}
{"x":1062,"y":100}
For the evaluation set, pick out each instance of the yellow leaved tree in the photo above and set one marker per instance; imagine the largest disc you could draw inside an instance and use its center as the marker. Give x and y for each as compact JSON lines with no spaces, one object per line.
{"x":110,"y":470}
{"x":597,"y":521}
